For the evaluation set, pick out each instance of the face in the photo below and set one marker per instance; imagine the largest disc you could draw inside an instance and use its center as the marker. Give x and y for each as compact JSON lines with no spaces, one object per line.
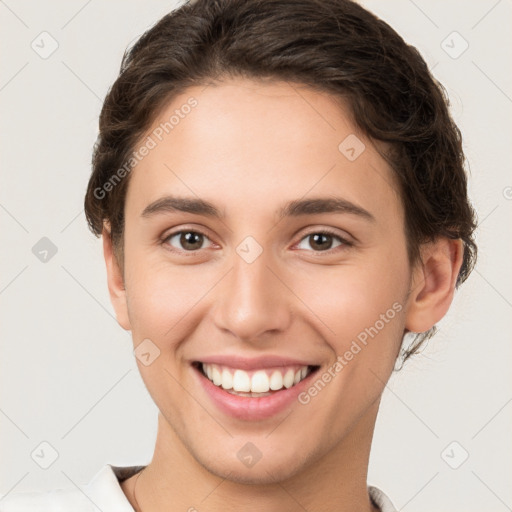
{"x":297,"y":267}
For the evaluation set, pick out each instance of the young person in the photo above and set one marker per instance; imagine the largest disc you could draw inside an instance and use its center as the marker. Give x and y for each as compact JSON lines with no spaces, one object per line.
{"x":281,"y":194}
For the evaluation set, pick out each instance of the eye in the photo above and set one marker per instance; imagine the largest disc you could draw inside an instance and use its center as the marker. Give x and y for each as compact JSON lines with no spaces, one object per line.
{"x":187,"y":240}
{"x":322,"y":240}
{"x":192,"y":241}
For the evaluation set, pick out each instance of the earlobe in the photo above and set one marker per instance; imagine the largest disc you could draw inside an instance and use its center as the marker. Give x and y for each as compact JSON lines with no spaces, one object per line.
{"x":115,"y":281}
{"x":433,"y":283}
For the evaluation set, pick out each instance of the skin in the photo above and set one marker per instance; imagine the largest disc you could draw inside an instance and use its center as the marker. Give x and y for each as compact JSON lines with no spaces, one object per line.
{"x":249,"y":147}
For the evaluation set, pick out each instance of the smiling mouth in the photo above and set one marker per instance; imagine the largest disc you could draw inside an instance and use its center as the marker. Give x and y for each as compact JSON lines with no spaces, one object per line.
{"x":255,"y":383}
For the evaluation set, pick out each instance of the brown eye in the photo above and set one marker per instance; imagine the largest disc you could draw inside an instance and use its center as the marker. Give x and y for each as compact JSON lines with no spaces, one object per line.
{"x":323,"y":241}
{"x":186,"y":240}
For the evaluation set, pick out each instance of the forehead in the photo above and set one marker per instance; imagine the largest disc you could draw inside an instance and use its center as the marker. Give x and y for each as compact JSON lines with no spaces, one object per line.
{"x":253,"y":142}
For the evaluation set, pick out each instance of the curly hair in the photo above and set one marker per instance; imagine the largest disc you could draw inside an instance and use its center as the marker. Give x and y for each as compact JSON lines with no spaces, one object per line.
{"x":333,"y":46}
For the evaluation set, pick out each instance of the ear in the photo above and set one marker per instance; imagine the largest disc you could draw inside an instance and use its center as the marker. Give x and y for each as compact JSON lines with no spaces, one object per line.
{"x":115,"y":281}
{"x":433,"y":283}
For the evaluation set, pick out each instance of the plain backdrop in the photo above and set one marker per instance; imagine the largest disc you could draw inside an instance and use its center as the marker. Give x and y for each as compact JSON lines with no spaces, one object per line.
{"x":68,"y":374}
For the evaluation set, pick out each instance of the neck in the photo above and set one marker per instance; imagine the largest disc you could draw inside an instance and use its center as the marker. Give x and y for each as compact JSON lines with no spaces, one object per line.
{"x":332,"y":482}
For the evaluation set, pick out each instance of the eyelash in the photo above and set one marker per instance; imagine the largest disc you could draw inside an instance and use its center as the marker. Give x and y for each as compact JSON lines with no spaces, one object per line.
{"x":344,"y":242}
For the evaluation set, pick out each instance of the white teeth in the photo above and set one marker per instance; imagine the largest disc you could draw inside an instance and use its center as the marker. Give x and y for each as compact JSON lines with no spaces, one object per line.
{"x":288,"y":379}
{"x":227,"y":379}
{"x":241,"y":381}
{"x":216,"y":376}
{"x":276,"y":381}
{"x":258,"y":382}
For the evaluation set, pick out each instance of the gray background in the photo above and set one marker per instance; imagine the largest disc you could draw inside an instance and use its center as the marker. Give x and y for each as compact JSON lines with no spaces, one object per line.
{"x":68,"y":375}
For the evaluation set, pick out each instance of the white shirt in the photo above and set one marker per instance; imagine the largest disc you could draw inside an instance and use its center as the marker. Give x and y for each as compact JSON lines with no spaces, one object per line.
{"x":104,"y":493}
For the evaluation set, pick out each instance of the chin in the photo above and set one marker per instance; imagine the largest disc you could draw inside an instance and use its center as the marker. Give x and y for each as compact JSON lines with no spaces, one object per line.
{"x":269,"y":469}
{"x":264,"y":475}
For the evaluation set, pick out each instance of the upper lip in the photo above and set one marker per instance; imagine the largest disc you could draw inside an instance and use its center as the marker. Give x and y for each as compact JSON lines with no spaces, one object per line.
{"x":253,"y":363}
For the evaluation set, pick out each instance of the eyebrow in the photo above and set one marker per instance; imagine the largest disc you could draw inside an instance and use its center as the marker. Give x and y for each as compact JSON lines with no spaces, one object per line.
{"x":295,"y":208}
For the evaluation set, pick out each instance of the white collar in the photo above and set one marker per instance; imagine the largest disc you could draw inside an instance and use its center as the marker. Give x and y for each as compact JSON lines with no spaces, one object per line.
{"x":104,"y":490}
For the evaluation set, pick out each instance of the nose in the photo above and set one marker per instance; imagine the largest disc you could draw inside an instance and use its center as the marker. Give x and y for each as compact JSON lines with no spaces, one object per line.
{"x":254,"y":301}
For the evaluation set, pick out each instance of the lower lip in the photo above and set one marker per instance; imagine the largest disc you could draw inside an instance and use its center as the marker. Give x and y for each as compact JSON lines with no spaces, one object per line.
{"x":250,"y":408}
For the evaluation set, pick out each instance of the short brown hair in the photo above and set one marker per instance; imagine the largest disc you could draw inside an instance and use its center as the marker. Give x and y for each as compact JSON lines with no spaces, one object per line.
{"x":335,"y":46}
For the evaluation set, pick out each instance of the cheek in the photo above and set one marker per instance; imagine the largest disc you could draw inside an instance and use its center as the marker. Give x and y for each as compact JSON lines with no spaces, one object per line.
{"x":158,"y":298}
{"x":360,"y":310}
{"x":165,"y":300}
{"x":349,"y":298}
